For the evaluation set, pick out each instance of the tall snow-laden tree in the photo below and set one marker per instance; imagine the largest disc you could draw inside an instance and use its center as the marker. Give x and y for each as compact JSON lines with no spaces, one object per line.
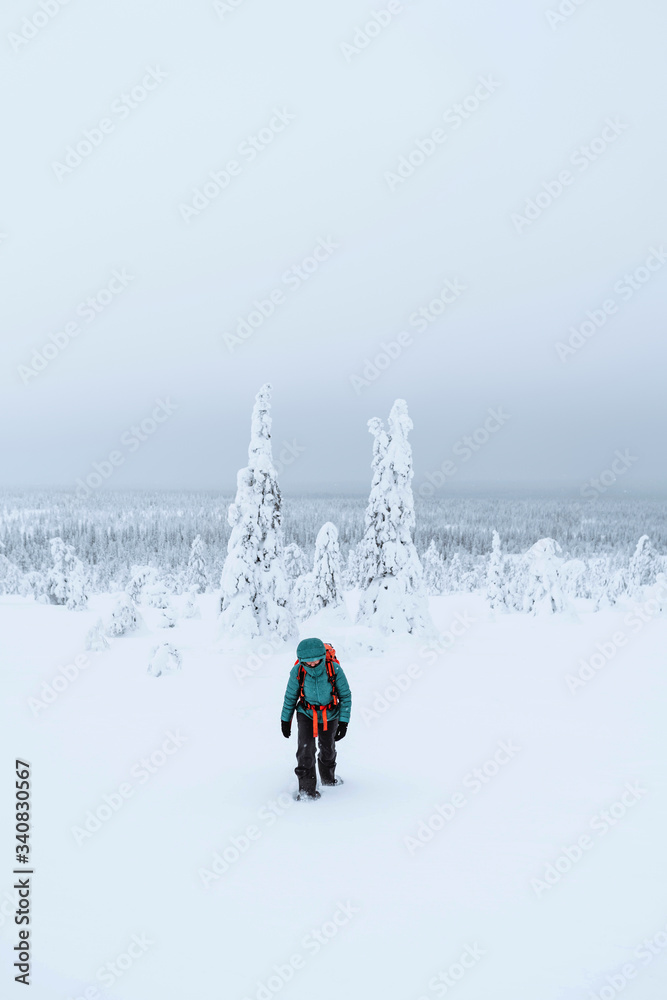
{"x":543,"y":593}
{"x":323,"y":588}
{"x":255,"y":591}
{"x":433,"y":566}
{"x":66,"y":581}
{"x":196,"y":577}
{"x":642,"y":567}
{"x":327,"y":576}
{"x":495,"y":595}
{"x":392,"y":592}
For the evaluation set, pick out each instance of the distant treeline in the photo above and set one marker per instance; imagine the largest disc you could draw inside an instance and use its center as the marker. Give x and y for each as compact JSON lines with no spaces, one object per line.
{"x":111,"y":532}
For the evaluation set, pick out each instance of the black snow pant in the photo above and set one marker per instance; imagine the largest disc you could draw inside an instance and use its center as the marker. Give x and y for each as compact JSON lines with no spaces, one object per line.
{"x":305,"y":753}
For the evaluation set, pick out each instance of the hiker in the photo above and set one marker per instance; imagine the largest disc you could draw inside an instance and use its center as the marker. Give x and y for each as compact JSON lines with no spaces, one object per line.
{"x":318,"y":689}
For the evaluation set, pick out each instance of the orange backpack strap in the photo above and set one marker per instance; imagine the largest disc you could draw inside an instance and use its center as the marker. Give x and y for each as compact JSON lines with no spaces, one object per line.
{"x":331,"y":658}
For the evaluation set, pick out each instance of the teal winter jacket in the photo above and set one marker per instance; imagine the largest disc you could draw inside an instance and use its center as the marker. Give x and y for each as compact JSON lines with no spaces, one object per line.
{"x":317,"y":691}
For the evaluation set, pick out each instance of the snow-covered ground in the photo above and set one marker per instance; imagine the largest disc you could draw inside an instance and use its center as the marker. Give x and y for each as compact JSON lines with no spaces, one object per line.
{"x":340,"y":897}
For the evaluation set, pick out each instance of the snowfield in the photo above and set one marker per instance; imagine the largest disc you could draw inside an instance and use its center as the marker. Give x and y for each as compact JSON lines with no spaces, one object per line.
{"x":499,"y":836}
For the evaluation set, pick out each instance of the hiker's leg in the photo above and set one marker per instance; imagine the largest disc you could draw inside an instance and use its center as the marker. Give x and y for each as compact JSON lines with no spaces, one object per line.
{"x":326,"y":759}
{"x":305,"y":754}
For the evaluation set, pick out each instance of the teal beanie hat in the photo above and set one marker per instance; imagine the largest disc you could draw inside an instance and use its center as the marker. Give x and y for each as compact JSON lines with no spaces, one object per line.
{"x":311,"y":649}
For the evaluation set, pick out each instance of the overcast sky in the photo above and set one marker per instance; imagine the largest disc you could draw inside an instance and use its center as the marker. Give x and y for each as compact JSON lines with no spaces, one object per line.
{"x":333,"y":120}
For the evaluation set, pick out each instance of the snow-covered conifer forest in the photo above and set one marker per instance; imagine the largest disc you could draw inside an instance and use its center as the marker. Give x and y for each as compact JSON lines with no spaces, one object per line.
{"x":57,"y":547}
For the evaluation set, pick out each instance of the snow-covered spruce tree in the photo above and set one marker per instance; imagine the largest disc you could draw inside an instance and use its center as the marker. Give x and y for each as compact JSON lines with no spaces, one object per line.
{"x":642,"y":567}
{"x":454,"y":575}
{"x":608,"y":586}
{"x":196,"y":577}
{"x":495,"y":594}
{"x":392,"y":592}
{"x":543,"y":593}
{"x":124,"y":618}
{"x":96,"y":640}
{"x":295,"y":561}
{"x":154,"y":595}
{"x":66,"y":582}
{"x":323,"y":588}
{"x":255,"y":592}
{"x":10,"y":576}
{"x":141,"y":577}
{"x":351,"y":571}
{"x":433,"y":566}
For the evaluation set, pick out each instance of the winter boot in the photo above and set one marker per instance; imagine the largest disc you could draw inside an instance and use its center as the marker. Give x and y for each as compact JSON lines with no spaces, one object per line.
{"x":308,"y":797}
{"x":328,"y":773}
{"x":307,"y":786}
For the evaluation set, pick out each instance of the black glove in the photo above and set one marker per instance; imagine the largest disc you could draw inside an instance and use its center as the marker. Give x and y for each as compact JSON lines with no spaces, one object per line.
{"x":286,"y":728}
{"x":340,"y":732}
